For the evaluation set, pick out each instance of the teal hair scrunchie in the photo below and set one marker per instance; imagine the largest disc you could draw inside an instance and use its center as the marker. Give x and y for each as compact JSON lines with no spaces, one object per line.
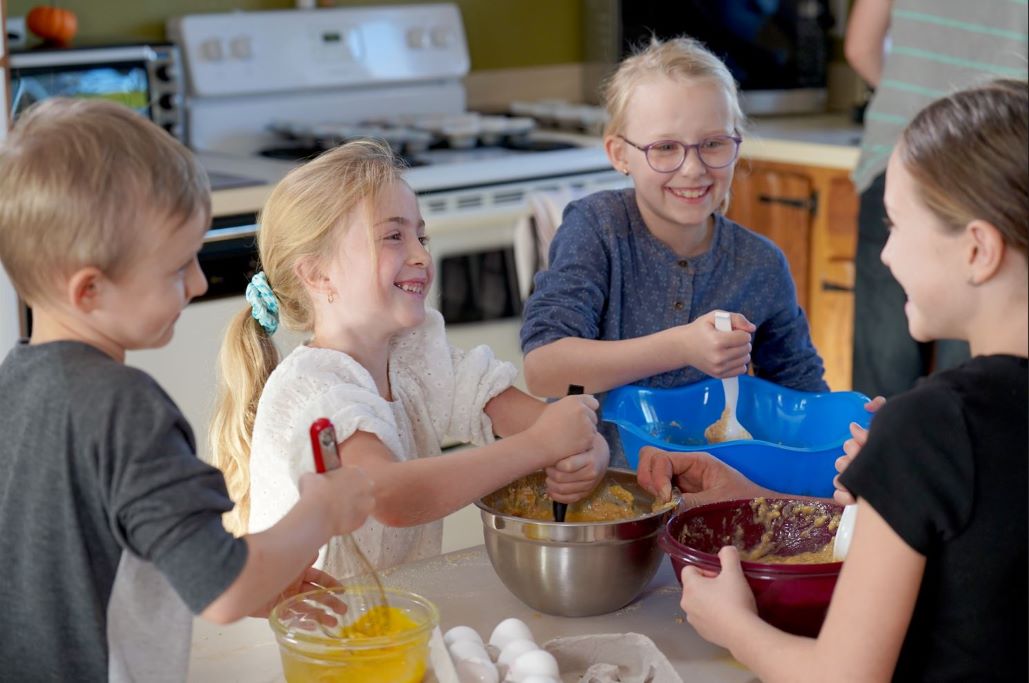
{"x":263,"y":306}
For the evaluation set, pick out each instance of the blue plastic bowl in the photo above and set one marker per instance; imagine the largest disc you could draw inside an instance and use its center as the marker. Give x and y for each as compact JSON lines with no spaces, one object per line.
{"x":797,"y":435}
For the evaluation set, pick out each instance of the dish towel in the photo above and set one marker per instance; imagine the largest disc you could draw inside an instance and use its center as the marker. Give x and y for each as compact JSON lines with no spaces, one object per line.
{"x":535,"y":231}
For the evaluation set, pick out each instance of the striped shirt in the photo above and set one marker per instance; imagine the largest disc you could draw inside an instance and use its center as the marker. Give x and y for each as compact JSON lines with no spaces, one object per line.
{"x":936,"y":48}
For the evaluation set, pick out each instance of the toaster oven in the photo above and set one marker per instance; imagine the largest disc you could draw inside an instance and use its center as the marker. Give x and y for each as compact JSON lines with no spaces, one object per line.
{"x":145,"y":77}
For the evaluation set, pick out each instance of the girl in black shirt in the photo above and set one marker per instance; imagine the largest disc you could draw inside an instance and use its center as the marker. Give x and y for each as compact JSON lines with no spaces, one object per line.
{"x":934,"y":586}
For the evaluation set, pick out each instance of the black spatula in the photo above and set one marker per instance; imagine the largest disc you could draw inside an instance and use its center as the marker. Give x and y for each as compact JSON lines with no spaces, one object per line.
{"x":561,"y":509}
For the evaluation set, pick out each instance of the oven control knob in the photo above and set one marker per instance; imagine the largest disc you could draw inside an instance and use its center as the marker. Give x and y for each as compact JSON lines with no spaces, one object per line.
{"x":211,"y":50}
{"x":166,"y":73}
{"x":416,"y":37}
{"x":174,"y":128}
{"x":442,"y":36}
{"x":168,"y":101}
{"x":240,"y":48}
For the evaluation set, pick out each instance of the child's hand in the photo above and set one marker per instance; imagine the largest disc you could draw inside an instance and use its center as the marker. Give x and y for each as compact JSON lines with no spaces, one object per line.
{"x":717,"y":353}
{"x":346,"y":495}
{"x":577,"y":475}
{"x":715,"y":604}
{"x":851,"y":447}
{"x":566,"y":427}
{"x":310,"y":579}
{"x":701,"y":477}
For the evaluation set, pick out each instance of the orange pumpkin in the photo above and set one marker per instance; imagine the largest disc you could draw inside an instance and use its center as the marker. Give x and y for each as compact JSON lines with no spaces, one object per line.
{"x":52,"y":23}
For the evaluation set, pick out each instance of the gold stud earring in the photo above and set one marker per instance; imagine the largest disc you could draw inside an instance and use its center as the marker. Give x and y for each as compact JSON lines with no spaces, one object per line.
{"x":332,"y":297}
{"x":625,"y":171}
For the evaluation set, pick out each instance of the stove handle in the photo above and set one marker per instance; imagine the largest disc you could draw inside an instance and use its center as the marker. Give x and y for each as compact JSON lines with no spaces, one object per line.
{"x":230,"y":233}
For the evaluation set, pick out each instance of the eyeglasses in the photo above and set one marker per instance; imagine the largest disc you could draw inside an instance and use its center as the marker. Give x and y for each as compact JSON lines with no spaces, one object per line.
{"x":668,"y":156}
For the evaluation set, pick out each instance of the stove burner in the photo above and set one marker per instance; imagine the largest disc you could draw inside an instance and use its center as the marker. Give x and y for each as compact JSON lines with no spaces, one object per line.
{"x":304,"y":153}
{"x":531,"y":145}
{"x":297,"y":153}
{"x":432,"y":140}
{"x":438,"y":153}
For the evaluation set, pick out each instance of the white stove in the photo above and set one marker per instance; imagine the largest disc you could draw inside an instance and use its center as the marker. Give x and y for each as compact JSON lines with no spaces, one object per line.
{"x":265,"y":82}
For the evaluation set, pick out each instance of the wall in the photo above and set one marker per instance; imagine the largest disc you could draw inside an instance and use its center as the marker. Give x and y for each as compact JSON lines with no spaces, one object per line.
{"x":501,"y":33}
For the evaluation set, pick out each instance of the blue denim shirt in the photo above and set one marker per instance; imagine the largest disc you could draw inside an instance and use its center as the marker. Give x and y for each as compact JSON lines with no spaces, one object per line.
{"x":610,"y":279}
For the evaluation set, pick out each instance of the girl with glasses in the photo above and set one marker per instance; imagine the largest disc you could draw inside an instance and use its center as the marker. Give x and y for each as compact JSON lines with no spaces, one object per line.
{"x":636,"y":274}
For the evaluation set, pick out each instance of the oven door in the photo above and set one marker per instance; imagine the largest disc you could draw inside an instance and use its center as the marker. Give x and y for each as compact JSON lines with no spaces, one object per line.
{"x":476,"y":286}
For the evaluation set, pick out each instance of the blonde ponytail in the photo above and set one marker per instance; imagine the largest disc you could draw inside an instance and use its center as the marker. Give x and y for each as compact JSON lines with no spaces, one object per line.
{"x":245,"y":362}
{"x":304,"y":217}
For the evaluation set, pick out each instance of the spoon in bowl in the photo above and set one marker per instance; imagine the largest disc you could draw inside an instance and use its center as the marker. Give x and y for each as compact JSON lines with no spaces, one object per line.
{"x":561,"y":509}
{"x":844,"y":532}
{"x":727,"y":427}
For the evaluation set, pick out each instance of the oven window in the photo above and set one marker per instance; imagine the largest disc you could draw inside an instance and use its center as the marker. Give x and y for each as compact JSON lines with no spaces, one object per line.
{"x":479,"y":286}
{"x":229,"y":258}
{"x":123,"y":82}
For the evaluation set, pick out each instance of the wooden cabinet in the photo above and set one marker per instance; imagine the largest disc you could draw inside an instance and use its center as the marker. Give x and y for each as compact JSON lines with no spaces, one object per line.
{"x":811,"y":213}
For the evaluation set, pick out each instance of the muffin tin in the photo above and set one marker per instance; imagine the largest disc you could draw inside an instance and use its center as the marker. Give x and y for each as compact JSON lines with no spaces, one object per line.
{"x":410,"y":136}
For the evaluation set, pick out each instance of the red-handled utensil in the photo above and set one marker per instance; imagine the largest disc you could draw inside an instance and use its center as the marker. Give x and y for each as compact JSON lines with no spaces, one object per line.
{"x":371,"y":602}
{"x":323,"y":446}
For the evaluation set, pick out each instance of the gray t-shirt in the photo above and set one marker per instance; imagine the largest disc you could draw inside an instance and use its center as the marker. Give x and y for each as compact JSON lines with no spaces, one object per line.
{"x":110,"y":524}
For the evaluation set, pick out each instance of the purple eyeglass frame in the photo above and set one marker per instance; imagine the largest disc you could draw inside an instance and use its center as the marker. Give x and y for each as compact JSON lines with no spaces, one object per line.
{"x":686,"y":150}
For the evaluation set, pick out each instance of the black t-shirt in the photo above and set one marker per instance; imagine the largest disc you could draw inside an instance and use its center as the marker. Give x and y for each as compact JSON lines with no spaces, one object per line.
{"x":945,"y":466}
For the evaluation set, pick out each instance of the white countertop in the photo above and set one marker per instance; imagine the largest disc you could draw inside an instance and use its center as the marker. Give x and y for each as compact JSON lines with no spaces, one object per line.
{"x":826,"y":140}
{"x":467,"y":591}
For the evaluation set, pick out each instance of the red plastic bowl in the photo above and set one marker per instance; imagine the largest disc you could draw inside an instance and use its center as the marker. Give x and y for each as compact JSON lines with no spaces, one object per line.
{"x":793,"y":597}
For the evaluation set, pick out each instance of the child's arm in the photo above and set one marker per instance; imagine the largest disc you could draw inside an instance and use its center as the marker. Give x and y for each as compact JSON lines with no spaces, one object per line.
{"x":513,"y":411}
{"x":700,"y":476}
{"x":330,"y":504}
{"x":783,"y":350}
{"x":863,"y":631}
{"x":570,"y":479}
{"x":602,"y":365}
{"x":426,"y":489}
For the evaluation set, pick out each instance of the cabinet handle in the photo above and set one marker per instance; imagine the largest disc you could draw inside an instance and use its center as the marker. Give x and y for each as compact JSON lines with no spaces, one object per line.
{"x":808,"y":204}
{"x":834,"y":287}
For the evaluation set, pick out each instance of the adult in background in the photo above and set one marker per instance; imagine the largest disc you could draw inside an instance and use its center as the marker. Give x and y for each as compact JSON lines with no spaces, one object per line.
{"x":912,"y":52}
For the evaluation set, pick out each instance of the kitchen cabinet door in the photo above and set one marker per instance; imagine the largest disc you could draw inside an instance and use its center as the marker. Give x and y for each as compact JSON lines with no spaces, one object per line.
{"x":833,"y":246}
{"x":811,"y":213}
{"x":778,"y":204}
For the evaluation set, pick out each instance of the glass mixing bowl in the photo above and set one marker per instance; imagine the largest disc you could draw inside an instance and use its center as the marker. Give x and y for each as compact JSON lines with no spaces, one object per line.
{"x":312,"y":632}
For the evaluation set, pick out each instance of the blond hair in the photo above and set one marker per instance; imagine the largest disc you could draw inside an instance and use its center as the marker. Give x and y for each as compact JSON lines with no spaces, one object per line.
{"x":682,"y":59}
{"x":79,"y":182}
{"x":305,"y":216}
{"x":969,"y":155}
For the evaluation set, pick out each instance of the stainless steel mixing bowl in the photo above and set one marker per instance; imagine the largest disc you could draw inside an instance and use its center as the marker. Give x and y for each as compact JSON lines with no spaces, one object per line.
{"x":575,"y":569}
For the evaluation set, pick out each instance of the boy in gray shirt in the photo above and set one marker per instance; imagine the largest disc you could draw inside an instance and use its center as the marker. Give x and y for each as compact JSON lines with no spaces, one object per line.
{"x":111,"y":526}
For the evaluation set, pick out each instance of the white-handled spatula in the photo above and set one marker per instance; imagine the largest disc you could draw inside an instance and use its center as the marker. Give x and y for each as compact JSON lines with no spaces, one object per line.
{"x":727,"y":428}
{"x":844,"y":532}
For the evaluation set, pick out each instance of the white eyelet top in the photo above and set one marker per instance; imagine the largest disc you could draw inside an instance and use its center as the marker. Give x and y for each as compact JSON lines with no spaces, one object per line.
{"x":439,"y":392}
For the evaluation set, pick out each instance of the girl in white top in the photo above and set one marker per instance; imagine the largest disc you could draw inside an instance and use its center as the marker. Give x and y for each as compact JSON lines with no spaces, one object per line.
{"x":343,"y":248}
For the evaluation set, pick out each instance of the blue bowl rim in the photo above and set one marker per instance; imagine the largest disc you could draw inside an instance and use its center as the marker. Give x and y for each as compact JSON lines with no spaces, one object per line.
{"x":857,"y":397}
